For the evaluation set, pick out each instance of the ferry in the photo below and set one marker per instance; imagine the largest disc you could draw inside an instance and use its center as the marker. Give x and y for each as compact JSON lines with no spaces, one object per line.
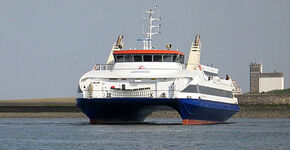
{"x":136,"y":82}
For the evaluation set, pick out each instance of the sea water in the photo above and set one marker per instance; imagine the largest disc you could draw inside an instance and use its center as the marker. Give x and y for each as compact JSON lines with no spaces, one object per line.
{"x":154,"y":134}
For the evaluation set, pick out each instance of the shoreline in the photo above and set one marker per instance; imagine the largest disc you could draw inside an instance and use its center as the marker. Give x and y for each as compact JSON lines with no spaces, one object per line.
{"x":246,"y":111}
{"x":251,"y":106}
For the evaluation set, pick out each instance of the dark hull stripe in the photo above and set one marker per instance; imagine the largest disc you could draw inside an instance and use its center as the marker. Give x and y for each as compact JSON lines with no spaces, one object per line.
{"x":137,"y":109}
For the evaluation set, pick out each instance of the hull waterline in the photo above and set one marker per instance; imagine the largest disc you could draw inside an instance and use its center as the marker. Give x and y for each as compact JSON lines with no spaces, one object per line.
{"x":135,"y":110}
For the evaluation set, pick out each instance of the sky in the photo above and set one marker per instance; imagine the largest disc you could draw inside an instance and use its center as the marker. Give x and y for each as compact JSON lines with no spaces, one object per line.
{"x":47,"y":45}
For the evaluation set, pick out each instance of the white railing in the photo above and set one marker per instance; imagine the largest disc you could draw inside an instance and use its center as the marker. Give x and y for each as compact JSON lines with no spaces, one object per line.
{"x":99,"y":67}
{"x":142,"y":92}
{"x":129,"y":93}
{"x":103,"y":67}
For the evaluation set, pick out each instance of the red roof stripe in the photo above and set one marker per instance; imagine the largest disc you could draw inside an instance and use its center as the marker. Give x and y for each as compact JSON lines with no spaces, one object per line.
{"x":148,"y":52}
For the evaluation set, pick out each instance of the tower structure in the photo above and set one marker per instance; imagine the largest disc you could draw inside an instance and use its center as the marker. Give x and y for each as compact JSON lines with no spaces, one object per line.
{"x":255,"y":70}
{"x":194,"y":54}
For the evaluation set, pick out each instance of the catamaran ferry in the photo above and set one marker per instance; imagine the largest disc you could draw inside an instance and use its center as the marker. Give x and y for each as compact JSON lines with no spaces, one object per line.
{"x":134,"y":83}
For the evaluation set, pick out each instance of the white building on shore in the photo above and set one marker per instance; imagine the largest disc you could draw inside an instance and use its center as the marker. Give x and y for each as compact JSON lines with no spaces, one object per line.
{"x":264,"y":82}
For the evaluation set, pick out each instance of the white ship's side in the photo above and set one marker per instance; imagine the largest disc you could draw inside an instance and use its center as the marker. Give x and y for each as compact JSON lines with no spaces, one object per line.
{"x":135,"y":83}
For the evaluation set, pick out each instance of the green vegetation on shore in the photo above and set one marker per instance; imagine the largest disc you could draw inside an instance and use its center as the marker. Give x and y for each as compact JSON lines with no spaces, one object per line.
{"x":277,"y":92}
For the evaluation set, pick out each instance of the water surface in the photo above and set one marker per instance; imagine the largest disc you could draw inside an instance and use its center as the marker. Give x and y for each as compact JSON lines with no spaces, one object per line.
{"x":155,"y":134}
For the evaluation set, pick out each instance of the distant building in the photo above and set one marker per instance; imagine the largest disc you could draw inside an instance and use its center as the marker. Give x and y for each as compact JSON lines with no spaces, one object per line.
{"x":237,"y":89}
{"x":264,"y":82}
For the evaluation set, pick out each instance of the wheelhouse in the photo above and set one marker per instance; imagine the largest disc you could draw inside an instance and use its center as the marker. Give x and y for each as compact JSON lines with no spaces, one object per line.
{"x":149,"y":56}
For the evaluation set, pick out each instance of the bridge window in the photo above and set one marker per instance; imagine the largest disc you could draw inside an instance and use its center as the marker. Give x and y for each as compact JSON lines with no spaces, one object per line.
{"x":138,"y":58}
{"x":174,"y":58}
{"x":182,"y":59}
{"x":128,"y":58}
{"x":147,"y":58}
{"x":167,"y":58}
{"x":120,"y":58}
{"x":157,"y":58}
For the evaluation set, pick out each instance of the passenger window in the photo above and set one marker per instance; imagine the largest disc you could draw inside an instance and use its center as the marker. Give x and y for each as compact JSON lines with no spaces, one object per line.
{"x":157,"y":58}
{"x":137,"y":58}
{"x":147,"y":58}
{"x":167,"y":58}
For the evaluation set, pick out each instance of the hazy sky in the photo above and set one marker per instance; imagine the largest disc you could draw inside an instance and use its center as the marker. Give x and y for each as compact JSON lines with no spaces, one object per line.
{"x":46,"y":46}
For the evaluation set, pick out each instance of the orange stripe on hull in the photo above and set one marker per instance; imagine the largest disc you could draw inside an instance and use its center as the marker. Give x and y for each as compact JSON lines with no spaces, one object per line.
{"x":198,"y":122}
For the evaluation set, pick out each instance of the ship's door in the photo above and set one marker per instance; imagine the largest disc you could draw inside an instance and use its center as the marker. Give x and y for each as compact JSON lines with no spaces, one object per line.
{"x":171,"y":90}
{"x":165,"y":89}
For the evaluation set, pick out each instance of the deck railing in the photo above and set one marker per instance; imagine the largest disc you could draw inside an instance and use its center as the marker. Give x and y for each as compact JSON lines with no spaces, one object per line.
{"x":101,"y":67}
{"x":110,"y":67}
{"x":142,"y":92}
{"x":128,"y":93}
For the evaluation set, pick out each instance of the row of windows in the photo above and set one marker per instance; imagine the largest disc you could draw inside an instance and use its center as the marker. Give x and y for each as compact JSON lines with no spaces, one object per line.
{"x":208,"y":90}
{"x":149,"y":58}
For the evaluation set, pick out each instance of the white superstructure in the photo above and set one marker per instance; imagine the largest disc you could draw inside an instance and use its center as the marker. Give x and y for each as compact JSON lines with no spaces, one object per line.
{"x":155,"y":74}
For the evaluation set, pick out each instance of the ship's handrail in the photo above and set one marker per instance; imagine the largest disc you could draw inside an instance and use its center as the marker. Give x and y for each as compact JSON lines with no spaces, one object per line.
{"x":141,"y":67}
{"x":101,"y":67}
{"x":119,"y":93}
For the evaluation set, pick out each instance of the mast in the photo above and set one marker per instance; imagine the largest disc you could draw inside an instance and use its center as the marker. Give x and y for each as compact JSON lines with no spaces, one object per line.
{"x":152,"y":29}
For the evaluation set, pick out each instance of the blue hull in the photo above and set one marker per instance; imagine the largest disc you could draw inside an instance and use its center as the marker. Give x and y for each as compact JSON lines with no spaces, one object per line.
{"x":131,"y":110}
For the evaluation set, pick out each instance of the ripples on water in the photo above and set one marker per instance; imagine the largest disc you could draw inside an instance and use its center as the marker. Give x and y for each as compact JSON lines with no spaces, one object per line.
{"x":155,"y":134}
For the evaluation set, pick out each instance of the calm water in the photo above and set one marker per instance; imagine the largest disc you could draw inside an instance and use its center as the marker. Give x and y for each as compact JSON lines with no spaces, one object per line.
{"x":158,"y":134}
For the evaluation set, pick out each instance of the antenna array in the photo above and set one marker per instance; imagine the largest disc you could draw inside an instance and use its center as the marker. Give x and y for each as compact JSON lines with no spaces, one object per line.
{"x":153,"y":29}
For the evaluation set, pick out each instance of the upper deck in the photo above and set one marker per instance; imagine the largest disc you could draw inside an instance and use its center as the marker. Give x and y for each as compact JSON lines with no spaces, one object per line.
{"x":148,"y":56}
